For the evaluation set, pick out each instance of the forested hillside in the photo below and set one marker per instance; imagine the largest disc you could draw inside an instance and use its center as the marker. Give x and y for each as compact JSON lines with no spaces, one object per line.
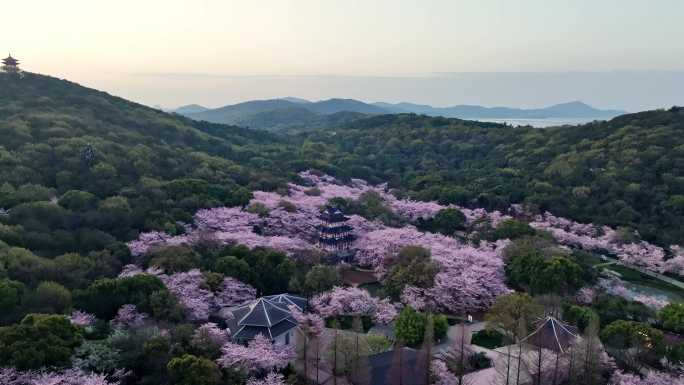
{"x":81,"y":169}
{"x":625,"y":172}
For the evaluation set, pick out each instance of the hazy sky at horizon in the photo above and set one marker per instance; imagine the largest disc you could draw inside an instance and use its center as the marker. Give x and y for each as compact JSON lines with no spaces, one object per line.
{"x":213,"y":52}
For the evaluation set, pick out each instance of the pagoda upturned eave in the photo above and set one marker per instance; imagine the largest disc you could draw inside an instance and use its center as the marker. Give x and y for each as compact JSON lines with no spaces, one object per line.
{"x":10,"y":61}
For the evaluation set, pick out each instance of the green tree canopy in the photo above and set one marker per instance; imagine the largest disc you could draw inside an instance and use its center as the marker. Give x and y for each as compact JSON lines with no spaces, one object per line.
{"x":40,"y":340}
{"x":413,"y":267}
{"x":105,"y":296}
{"x":514,"y":313}
{"x":193,"y":370}
{"x":446,"y":221}
{"x":672,"y":317}
{"x":321,"y":278}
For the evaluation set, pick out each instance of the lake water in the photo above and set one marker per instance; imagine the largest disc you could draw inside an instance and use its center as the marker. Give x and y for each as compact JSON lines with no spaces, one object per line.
{"x":541,"y":122}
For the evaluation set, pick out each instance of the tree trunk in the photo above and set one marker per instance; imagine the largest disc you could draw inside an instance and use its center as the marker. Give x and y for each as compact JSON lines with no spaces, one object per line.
{"x":334,"y":370}
{"x":462,"y":354}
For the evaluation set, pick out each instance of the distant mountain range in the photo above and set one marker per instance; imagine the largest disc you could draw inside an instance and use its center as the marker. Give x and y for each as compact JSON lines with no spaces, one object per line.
{"x":296,"y":113}
{"x":564,"y":110}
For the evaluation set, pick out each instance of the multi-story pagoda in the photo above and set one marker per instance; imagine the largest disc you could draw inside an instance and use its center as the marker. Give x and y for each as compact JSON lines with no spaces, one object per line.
{"x":10,"y":65}
{"x":335,"y":234}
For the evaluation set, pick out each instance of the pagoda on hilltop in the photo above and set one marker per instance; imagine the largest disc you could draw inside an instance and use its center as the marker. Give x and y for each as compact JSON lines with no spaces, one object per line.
{"x":335,"y":234}
{"x":10,"y":65}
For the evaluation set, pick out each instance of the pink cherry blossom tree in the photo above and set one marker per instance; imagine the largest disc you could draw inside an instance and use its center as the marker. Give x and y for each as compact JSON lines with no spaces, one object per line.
{"x":310,"y":323}
{"x":258,"y":356}
{"x":192,"y":292}
{"x":675,"y":264}
{"x":270,"y":379}
{"x":128,"y":317}
{"x":81,"y":318}
{"x":586,"y":295}
{"x":441,"y":373}
{"x":210,"y":337}
{"x":651,"y":377}
{"x":352,"y":301}
{"x":233,"y":293}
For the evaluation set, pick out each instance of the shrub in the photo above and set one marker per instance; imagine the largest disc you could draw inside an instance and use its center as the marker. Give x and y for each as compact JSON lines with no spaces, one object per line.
{"x":672,"y":317}
{"x":377,"y":344}
{"x":487,"y":338}
{"x":314,"y":192}
{"x":287,"y":206}
{"x":259,"y":209}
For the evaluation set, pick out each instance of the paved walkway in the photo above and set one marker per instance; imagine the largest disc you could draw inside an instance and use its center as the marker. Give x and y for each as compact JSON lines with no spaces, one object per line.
{"x":454,"y":335}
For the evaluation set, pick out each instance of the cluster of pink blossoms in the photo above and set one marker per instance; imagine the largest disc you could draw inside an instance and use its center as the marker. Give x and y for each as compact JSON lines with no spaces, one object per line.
{"x":459,"y":291}
{"x":441,"y":373}
{"x":210,"y":334}
{"x":616,"y":287}
{"x":470,"y":278}
{"x":191,"y":291}
{"x":73,"y":376}
{"x":310,"y":323}
{"x":233,"y":293}
{"x":676,"y":263}
{"x":259,"y":355}
{"x":147,"y":242}
{"x":591,"y":237}
{"x":81,"y":318}
{"x":651,"y":377}
{"x":585,"y":295}
{"x":128,"y":317}
{"x":294,"y":231}
{"x":352,"y":301}
{"x":270,"y":379}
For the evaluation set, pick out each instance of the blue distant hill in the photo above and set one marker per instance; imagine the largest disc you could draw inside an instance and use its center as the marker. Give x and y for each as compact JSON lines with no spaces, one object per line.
{"x":564,"y":110}
{"x":298,"y":113}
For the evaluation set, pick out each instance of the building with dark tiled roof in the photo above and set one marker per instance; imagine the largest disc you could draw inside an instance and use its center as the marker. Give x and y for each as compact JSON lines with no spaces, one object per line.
{"x":269,"y":316}
{"x":399,"y":366}
{"x":287,"y":300}
{"x":10,"y":65}
{"x":334,"y":234}
{"x":553,"y":335}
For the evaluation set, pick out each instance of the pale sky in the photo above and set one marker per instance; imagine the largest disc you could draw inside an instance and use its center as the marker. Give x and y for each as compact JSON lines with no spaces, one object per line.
{"x":213,"y":52}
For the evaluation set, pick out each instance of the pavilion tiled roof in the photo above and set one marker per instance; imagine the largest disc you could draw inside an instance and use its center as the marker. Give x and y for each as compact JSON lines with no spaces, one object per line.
{"x":269,"y":316}
{"x":287,"y":300}
{"x":552,"y":334}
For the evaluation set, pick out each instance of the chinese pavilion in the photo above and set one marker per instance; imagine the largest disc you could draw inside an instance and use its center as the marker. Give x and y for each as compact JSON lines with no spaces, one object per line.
{"x":10,"y":65}
{"x":552,"y":334}
{"x":335,"y":234}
